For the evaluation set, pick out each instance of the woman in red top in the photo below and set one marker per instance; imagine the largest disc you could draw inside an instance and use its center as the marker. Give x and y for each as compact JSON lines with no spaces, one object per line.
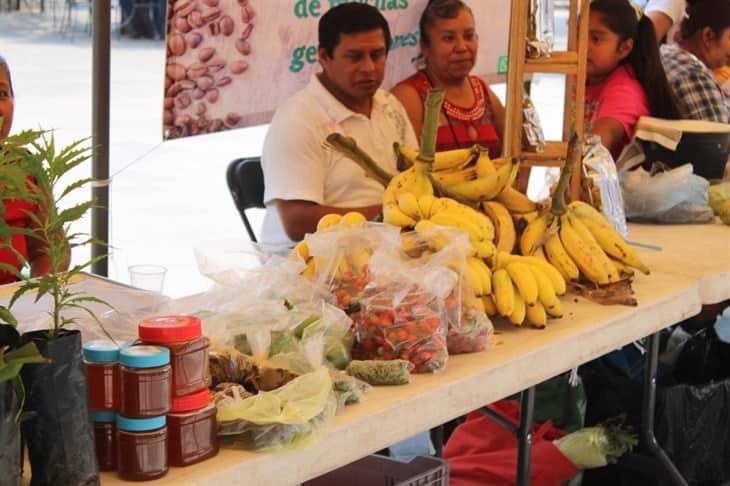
{"x":471,"y":112}
{"x":16,"y":212}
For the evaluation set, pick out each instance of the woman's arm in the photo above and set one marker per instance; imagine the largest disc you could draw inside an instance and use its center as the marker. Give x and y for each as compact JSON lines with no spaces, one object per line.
{"x":412,"y":103}
{"x":301,"y":217}
{"x":611,"y":131}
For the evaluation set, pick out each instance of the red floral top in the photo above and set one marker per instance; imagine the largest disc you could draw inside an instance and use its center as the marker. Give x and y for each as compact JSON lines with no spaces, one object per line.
{"x":16,"y":214}
{"x":463,"y":126}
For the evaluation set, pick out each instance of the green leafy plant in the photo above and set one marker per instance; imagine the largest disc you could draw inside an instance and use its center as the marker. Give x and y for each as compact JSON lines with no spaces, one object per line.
{"x":33,"y":169}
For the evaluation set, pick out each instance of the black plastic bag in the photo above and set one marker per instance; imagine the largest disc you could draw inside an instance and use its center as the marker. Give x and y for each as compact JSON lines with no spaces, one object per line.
{"x":704,"y":359}
{"x":59,"y":436}
{"x":10,"y":462}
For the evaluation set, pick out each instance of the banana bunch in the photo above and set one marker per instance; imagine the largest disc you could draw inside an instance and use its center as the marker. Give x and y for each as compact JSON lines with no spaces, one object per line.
{"x":525,"y":288}
{"x":357,"y":257}
{"x":479,"y":276}
{"x":577,"y":239}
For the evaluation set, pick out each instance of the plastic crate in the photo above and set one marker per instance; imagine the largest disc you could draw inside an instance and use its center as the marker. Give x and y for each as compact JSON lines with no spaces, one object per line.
{"x":384,"y":471}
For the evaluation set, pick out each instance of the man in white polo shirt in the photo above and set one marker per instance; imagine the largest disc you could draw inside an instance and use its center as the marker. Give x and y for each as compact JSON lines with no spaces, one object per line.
{"x":305,"y":181}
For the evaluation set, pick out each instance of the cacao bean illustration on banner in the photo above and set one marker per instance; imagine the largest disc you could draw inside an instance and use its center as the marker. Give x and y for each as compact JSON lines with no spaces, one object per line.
{"x":231,"y":63}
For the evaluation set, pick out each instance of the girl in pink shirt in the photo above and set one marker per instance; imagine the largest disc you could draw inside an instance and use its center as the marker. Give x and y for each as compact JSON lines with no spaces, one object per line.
{"x":626,"y":79}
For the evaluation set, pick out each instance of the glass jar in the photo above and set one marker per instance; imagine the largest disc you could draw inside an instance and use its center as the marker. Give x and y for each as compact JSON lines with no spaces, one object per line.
{"x":145,"y":381}
{"x":101,"y":361}
{"x":182,"y":335}
{"x":191,"y":430}
{"x":141,"y":448}
{"x":105,"y":439}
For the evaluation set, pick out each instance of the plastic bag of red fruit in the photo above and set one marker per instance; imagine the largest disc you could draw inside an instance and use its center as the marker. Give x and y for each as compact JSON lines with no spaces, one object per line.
{"x":400,"y":320}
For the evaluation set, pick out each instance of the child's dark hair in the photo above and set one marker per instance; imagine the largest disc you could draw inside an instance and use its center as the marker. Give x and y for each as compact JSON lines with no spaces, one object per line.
{"x":439,"y":9}
{"x":630,"y":23}
{"x":4,"y":66}
{"x":350,"y":18}
{"x":714,"y":14}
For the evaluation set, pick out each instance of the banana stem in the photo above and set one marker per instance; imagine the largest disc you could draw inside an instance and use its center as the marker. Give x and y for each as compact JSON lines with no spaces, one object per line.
{"x":559,"y":206}
{"x":432,"y":112}
{"x":348,"y":147}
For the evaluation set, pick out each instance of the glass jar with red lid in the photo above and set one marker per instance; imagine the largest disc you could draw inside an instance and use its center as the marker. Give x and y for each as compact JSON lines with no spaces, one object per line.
{"x":141,"y":448}
{"x":105,"y":439}
{"x":183,"y":336}
{"x":145,"y":377}
{"x":191,"y":429}
{"x":101,"y":361}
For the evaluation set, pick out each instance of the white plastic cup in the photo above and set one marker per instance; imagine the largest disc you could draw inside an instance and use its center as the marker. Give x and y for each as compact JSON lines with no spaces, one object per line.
{"x":147,"y":277}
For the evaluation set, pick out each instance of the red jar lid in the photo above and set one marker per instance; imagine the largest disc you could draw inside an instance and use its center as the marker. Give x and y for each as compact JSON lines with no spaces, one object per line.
{"x":170,"y":329}
{"x":188,"y":403}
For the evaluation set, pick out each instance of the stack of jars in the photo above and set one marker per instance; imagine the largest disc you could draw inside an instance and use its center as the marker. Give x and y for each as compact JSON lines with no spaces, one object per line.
{"x":164,"y":411}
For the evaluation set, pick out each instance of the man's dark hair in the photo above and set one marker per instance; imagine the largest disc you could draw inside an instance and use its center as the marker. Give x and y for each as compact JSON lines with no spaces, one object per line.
{"x":350,"y":18}
{"x":4,"y":66}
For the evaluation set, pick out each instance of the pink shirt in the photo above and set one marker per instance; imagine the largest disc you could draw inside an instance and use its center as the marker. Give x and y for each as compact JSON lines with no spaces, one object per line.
{"x":620,"y":96}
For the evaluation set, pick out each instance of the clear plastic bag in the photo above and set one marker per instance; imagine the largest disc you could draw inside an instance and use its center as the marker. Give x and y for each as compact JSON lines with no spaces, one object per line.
{"x":675,"y":196}
{"x":290,"y":416}
{"x":600,"y":169}
{"x":401,"y":314}
{"x":468,"y":327}
{"x":342,"y":258}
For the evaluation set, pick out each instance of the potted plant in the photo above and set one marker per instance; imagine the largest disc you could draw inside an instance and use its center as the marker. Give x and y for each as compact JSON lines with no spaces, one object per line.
{"x":59,"y":435}
{"x":12,"y":396}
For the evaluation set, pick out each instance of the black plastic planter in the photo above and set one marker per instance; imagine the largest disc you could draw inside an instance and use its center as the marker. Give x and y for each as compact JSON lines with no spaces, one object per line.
{"x":59,"y":436}
{"x":10,"y":458}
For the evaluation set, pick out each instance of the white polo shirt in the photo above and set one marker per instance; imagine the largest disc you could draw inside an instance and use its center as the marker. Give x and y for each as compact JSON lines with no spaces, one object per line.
{"x":297,"y":167}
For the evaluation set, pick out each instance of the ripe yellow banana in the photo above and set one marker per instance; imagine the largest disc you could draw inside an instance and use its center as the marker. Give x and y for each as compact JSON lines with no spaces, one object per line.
{"x":408,"y":203}
{"x":425,"y":203}
{"x":613,"y":244}
{"x":595,"y":248}
{"x":447,"y":159}
{"x":505,"y":234}
{"x":360,"y":259}
{"x":515,"y":201}
{"x":582,"y":254}
{"x":503,"y":292}
{"x":353,"y":219}
{"x":448,"y":177}
{"x":555,"y":311}
{"x":489,"y":186}
{"x":310,"y":270}
{"x":458,"y":219}
{"x":393,"y":215}
{"x":545,"y":290}
{"x":536,"y":315}
{"x":300,"y":251}
{"x":532,"y":236}
{"x":399,"y":183}
{"x":552,"y":273}
{"x":328,"y":221}
{"x":481,"y":219}
{"x":559,"y":257}
{"x":489,"y":306}
{"x":474,"y":278}
{"x":519,"y":311}
{"x":523,"y":280}
{"x":622,"y":269}
{"x":484,"y":249}
{"x":485,"y":274}
{"x":484,"y":165}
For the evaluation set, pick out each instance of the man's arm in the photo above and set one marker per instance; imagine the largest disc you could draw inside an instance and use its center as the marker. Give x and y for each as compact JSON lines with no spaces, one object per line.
{"x":301,"y":217}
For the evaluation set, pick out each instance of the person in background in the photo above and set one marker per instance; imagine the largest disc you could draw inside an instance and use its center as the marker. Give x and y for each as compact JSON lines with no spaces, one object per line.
{"x":16,"y":212}
{"x":471,"y":113}
{"x":703,"y":44}
{"x":625,"y":78}
{"x":666,"y":15}
{"x":303,"y":180}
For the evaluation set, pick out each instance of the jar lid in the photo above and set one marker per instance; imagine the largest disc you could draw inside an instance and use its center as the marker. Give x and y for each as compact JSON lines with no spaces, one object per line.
{"x":140,"y":425}
{"x":170,"y":329}
{"x":188,"y":403}
{"x":103,"y":416}
{"x":144,"y":356}
{"x":101,"y":351}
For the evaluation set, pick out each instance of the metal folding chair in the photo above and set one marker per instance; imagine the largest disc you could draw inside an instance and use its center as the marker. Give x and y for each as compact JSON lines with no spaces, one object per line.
{"x":246,"y":183}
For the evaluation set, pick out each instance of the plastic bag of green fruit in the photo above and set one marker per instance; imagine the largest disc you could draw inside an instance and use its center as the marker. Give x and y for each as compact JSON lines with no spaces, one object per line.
{"x":719,"y":196}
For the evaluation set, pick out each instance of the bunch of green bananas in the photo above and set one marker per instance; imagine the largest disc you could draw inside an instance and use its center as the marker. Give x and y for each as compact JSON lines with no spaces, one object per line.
{"x":525,"y":288}
{"x":577,"y":239}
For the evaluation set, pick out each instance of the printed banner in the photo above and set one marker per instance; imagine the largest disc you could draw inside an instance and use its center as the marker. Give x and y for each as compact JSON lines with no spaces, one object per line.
{"x":230,"y":63}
